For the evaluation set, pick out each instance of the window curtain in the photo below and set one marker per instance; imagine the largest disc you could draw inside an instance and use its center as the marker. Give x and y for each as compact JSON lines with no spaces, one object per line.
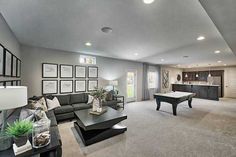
{"x":145,"y":94}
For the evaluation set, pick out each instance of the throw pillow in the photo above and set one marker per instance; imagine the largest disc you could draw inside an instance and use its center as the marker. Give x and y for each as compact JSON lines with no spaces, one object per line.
{"x":26,"y":114}
{"x":90,"y":99}
{"x":42,"y":104}
{"x":52,"y":104}
{"x":109,"y":96}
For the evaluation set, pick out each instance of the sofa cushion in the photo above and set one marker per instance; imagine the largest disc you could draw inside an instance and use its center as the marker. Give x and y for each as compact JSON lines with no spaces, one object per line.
{"x":63,"y":99}
{"x":65,"y":116}
{"x":63,"y":109}
{"x":81,"y":106}
{"x":109,"y":103}
{"x":86,"y":97}
{"x":51,"y":116}
{"x":77,"y":98}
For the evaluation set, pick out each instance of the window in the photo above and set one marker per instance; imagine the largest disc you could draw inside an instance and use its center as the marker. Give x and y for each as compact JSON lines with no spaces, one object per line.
{"x":152,"y":80}
{"x":87,"y":59}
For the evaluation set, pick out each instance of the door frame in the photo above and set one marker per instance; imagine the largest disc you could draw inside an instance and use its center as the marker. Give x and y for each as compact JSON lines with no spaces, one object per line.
{"x":135,"y":86}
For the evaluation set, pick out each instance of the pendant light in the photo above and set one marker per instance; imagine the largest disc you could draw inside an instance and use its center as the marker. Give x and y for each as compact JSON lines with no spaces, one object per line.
{"x":197,"y":74}
{"x":186,"y":75}
{"x":209,"y":75}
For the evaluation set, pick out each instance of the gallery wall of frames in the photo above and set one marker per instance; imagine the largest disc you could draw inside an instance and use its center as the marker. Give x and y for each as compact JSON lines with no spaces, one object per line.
{"x":10,"y":68}
{"x":64,"y":78}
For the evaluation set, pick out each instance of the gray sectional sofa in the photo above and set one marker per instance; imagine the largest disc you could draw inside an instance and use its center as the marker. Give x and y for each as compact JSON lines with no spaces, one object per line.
{"x":73,"y":102}
{"x":69,"y":103}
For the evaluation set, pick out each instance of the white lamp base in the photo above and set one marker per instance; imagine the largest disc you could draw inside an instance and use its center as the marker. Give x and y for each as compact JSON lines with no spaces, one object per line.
{"x":22,"y":149}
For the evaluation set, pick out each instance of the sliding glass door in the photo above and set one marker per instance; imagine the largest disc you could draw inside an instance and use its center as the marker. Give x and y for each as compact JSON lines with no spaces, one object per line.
{"x":131,"y":86}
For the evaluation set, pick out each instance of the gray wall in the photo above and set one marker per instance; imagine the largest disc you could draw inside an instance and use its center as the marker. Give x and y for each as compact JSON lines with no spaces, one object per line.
{"x":109,"y":69}
{"x":8,"y":40}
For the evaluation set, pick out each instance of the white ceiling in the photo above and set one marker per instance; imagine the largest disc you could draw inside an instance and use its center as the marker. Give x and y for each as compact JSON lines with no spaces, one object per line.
{"x":164,"y":29}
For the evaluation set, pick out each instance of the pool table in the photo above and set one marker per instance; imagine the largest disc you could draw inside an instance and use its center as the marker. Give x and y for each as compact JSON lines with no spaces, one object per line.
{"x":173,"y":98}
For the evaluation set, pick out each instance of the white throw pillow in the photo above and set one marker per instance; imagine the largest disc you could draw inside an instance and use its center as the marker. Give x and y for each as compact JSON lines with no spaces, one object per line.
{"x":52,"y":104}
{"x":90,"y":99}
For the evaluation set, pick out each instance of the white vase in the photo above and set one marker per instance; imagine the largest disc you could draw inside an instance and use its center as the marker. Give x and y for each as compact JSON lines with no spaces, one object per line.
{"x":95,"y":105}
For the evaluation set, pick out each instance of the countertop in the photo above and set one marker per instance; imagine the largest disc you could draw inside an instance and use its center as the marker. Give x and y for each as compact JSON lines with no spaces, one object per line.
{"x":196,"y":84}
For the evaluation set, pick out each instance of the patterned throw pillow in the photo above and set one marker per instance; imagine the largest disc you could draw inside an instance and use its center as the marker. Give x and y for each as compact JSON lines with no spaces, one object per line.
{"x":41,"y":103}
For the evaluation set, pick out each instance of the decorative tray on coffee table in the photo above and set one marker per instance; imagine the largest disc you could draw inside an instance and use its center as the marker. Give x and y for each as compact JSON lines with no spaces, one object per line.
{"x":98,"y":113}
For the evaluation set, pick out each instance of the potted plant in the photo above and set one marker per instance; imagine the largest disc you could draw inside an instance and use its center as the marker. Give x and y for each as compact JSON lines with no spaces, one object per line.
{"x":99,"y":95}
{"x":19,"y":130}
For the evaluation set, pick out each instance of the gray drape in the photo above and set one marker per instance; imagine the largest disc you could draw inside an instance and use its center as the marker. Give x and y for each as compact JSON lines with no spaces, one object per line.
{"x":146,"y":95}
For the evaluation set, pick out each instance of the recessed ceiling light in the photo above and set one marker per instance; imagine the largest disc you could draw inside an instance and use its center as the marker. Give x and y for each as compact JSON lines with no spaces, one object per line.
{"x":148,"y":1}
{"x":217,"y":51}
{"x":200,"y":38}
{"x":225,"y":64}
{"x":162,"y":60}
{"x":106,"y":29}
{"x":136,"y":54}
{"x":88,"y":44}
{"x":219,"y":61}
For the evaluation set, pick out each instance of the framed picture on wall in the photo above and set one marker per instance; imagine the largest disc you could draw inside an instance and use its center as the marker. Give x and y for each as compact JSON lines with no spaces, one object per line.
{"x":80,"y":86}
{"x":14,"y":83}
{"x":1,"y":60}
{"x":66,"y":86}
{"x":18,"y":70}
{"x":8,"y":62}
{"x":14,"y":66}
{"x":92,"y":85}
{"x":92,"y":72}
{"x":80,"y":71}
{"x":8,"y":83}
{"x":18,"y":82}
{"x":50,"y":70}
{"x":66,"y":71}
{"x":2,"y":83}
{"x":49,"y":87}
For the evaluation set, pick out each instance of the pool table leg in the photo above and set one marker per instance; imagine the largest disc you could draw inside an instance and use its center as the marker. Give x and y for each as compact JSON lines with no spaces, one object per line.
{"x":174,"y":107}
{"x":190,"y":103}
{"x":158,"y":104}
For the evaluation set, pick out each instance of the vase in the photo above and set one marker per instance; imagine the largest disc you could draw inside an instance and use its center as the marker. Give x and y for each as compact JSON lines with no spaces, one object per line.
{"x":41,"y":133}
{"x":97,"y":105}
{"x":21,"y":140}
{"x":5,"y":142}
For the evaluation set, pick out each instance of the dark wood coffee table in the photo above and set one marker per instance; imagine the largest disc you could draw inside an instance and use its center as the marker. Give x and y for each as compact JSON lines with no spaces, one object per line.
{"x":95,"y":128}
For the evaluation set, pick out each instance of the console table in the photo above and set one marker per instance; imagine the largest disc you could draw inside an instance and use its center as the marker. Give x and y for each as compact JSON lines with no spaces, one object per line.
{"x":54,"y":144}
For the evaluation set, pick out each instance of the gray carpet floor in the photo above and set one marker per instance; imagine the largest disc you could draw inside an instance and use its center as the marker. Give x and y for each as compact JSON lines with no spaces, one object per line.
{"x":206,"y":130}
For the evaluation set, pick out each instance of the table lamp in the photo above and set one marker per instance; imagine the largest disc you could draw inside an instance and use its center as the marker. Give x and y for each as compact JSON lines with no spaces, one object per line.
{"x":11,"y":97}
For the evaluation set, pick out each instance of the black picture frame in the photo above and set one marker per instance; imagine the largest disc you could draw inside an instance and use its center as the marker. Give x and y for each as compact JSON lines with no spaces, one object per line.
{"x":2,"y":83}
{"x":2,"y":54}
{"x":90,"y":74}
{"x":62,"y":71}
{"x":54,"y":91}
{"x":76,"y":70}
{"x":14,"y":66}
{"x":89,"y":84}
{"x":18,"y":70}
{"x":63,"y":91}
{"x":14,"y":82}
{"x":7,"y":63}
{"x":55,"y":71}
{"x":18,"y":82}
{"x":77,"y":81}
{"x":8,"y":83}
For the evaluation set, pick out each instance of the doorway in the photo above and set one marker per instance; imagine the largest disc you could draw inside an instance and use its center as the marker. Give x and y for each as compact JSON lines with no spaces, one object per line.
{"x":131,"y":85}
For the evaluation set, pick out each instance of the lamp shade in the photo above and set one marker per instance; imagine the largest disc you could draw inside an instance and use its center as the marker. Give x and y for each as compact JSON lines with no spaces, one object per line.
{"x":114,"y":83}
{"x":12,"y":97}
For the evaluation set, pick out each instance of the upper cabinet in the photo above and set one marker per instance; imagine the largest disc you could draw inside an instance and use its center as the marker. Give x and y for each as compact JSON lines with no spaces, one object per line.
{"x":202,"y":75}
